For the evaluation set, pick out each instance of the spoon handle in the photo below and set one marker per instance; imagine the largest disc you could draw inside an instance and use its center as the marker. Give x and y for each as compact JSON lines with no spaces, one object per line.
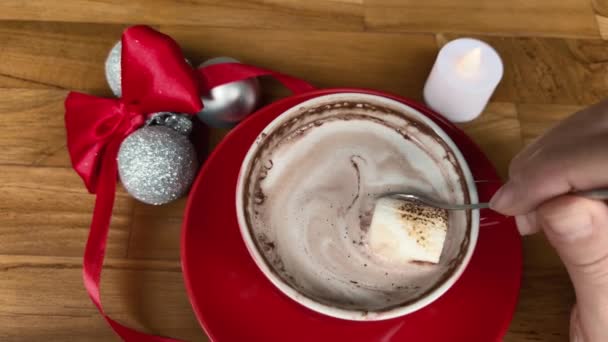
{"x":439,"y":204}
{"x":597,"y":194}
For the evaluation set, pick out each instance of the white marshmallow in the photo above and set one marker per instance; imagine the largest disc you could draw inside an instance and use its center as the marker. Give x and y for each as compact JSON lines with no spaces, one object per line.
{"x":405,"y":231}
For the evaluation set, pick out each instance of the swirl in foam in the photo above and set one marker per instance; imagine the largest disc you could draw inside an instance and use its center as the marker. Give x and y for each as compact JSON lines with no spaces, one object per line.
{"x":310,"y":193}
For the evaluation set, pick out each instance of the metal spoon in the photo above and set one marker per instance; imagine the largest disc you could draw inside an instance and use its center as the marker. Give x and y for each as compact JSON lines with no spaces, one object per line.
{"x":598,"y":194}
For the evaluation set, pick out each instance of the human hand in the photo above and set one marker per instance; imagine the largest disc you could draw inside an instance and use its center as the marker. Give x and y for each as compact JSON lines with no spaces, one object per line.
{"x":570,"y":157}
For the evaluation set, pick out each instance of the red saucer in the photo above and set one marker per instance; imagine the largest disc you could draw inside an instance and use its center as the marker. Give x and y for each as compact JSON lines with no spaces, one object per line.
{"x":234,"y":301}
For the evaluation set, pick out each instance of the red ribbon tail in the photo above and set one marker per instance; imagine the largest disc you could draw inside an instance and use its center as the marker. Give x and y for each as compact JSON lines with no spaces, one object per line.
{"x":217,"y":74}
{"x":95,"y":248}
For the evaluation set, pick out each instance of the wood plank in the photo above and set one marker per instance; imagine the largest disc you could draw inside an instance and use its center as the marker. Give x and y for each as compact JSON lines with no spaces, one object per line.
{"x":545,"y":70}
{"x":546,"y":296}
{"x":151,"y":296}
{"x":67,"y":56}
{"x":8,"y":262}
{"x":390,"y":62}
{"x":559,"y":71}
{"x":32,"y":127}
{"x":34,"y":308}
{"x":14,"y":82}
{"x":47,"y":211}
{"x":71,"y":56}
{"x":156,"y":231}
{"x":565,"y":18}
{"x":498,"y":134}
{"x":600,"y":7}
{"x":273,"y":14}
{"x":536,"y":119}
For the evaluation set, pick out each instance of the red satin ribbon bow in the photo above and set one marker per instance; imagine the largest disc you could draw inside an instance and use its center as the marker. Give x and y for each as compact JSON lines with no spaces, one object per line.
{"x":155,"y":78}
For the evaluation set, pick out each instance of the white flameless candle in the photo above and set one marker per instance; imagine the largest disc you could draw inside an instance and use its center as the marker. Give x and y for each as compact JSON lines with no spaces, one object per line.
{"x":463,"y":78}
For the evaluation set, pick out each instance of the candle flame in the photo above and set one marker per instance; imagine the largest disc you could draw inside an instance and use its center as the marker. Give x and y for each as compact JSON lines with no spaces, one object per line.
{"x":469,"y":64}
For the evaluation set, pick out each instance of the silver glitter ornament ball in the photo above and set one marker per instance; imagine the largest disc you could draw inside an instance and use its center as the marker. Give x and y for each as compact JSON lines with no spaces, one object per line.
{"x":113,"y":69}
{"x":228,"y":104}
{"x":157,"y":164}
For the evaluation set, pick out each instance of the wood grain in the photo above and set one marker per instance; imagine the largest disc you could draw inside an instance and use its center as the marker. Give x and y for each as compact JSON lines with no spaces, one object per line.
{"x":560,"y":71}
{"x":547,"y":293}
{"x":326,"y":59}
{"x":32,"y":127}
{"x":272,"y":14}
{"x":7,"y":81}
{"x":56,"y":55}
{"x":47,"y":211}
{"x":536,"y":119}
{"x":600,"y":7}
{"x":565,"y":18}
{"x":156,"y":231}
{"x":31,"y":47}
{"x":131,"y":293}
{"x":504,"y":141}
{"x":545,"y":70}
{"x":555,"y":59}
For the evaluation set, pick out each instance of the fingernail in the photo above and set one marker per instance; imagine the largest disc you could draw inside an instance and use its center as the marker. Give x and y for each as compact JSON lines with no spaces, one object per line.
{"x":502,"y":198}
{"x":526,"y":224}
{"x":569,"y":225}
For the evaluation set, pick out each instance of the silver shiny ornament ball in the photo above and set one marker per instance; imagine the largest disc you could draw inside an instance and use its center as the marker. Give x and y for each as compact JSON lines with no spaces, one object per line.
{"x":157,"y":164}
{"x":113,"y":69}
{"x":226,"y":105}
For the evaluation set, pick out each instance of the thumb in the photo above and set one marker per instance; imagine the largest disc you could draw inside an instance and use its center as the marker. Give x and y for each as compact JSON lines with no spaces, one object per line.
{"x":578,"y":229}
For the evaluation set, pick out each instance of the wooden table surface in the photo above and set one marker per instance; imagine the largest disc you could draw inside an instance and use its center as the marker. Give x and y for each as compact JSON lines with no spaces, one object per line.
{"x":556,"y":62}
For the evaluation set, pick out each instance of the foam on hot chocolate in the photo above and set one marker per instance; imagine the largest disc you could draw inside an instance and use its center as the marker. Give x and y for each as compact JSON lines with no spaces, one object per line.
{"x":311,"y":191}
